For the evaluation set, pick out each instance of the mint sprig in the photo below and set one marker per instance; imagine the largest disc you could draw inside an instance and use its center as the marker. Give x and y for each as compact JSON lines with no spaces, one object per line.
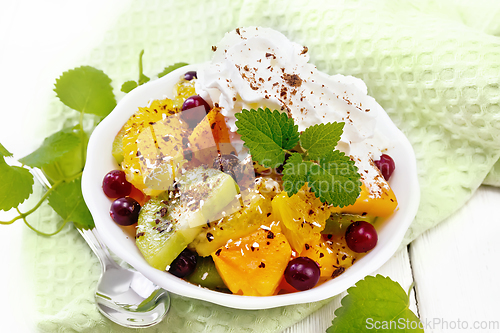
{"x":371,"y":305}
{"x":331,"y":175}
{"x":267,"y":134}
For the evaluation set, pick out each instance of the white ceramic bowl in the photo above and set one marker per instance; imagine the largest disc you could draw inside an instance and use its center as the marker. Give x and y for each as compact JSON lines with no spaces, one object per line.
{"x":100,"y":162}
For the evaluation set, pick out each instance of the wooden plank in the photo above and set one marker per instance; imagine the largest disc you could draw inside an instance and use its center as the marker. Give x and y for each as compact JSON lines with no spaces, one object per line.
{"x":456,"y":267}
{"x":397,"y":268}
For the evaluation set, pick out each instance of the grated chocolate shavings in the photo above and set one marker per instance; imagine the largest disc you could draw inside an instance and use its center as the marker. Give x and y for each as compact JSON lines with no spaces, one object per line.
{"x":337,"y":272}
{"x":293,"y":80}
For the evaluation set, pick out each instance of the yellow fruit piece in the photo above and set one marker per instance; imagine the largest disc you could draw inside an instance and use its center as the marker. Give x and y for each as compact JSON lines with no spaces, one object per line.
{"x":332,"y":255}
{"x":303,"y":216}
{"x":182,"y":90}
{"x":319,"y":251}
{"x":381,"y":202}
{"x":254,"y":265}
{"x":152,"y":147}
{"x":344,"y":257}
{"x":240,"y":223}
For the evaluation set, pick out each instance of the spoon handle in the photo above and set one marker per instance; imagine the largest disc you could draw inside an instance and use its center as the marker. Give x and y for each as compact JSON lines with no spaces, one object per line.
{"x":91,"y":236}
{"x":95,"y":242}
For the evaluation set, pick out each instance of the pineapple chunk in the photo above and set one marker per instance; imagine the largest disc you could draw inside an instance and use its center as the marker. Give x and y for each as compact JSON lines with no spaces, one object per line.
{"x":303,"y":216}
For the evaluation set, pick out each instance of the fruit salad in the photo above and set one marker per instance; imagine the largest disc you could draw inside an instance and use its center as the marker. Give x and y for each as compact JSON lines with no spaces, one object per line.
{"x":229,"y":195}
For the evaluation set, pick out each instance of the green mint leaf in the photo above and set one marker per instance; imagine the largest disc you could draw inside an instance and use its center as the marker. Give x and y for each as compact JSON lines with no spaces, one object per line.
{"x":67,"y":201}
{"x":86,"y":89}
{"x":321,"y":139}
{"x":267,"y":134}
{"x":131,"y":85}
{"x":128,"y":86}
{"x":16,"y":185}
{"x":371,"y":305}
{"x":295,"y":173}
{"x":4,"y":151}
{"x":171,"y":68}
{"x":143,"y":79}
{"x":335,"y":180}
{"x":52,"y":148}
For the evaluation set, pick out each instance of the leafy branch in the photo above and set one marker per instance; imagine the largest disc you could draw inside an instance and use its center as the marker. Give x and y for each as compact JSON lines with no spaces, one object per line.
{"x":61,"y":156}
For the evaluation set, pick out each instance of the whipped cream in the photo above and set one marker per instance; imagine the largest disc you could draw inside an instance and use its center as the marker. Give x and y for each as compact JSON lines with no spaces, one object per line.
{"x":258,"y":67}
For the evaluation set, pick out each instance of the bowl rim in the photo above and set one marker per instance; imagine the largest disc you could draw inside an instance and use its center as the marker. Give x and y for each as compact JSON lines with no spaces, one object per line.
{"x":101,"y":141}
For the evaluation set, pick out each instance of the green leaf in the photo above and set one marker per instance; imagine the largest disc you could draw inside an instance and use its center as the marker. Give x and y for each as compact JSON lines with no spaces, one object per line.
{"x":128,"y":86}
{"x":67,"y":201}
{"x":267,"y":134}
{"x":374,"y":304}
{"x":16,"y":185}
{"x":335,"y":180}
{"x":86,"y":89}
{"x":171,"y":68}
{"x":143,"y":79}
{"x":4,"y":151}
{"x":295,"y":173}
{"x":321,"y":139}
{"x":52,"y":148}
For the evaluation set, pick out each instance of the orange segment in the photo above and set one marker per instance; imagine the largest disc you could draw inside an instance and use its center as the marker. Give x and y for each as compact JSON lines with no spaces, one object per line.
{"x":254,"y":265}
{"x":210,"y":136}
{"x":152,"y":142}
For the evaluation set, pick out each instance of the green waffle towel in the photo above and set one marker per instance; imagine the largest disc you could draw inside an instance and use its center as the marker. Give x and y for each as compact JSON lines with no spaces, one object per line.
{"x":433,"y":65}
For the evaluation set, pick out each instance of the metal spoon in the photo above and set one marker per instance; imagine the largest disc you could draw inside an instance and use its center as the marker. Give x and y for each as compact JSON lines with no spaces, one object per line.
{"x":123,"y":295}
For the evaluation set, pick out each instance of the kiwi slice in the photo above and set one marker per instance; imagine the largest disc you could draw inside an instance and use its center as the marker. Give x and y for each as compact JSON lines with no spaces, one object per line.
{"x":169,"y":222}
{"x":159,"y":237}
{"x":206,"y":275}
{"x":117,"y":148}
{"x":206,"y":195}
{"x":337,"y":223}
